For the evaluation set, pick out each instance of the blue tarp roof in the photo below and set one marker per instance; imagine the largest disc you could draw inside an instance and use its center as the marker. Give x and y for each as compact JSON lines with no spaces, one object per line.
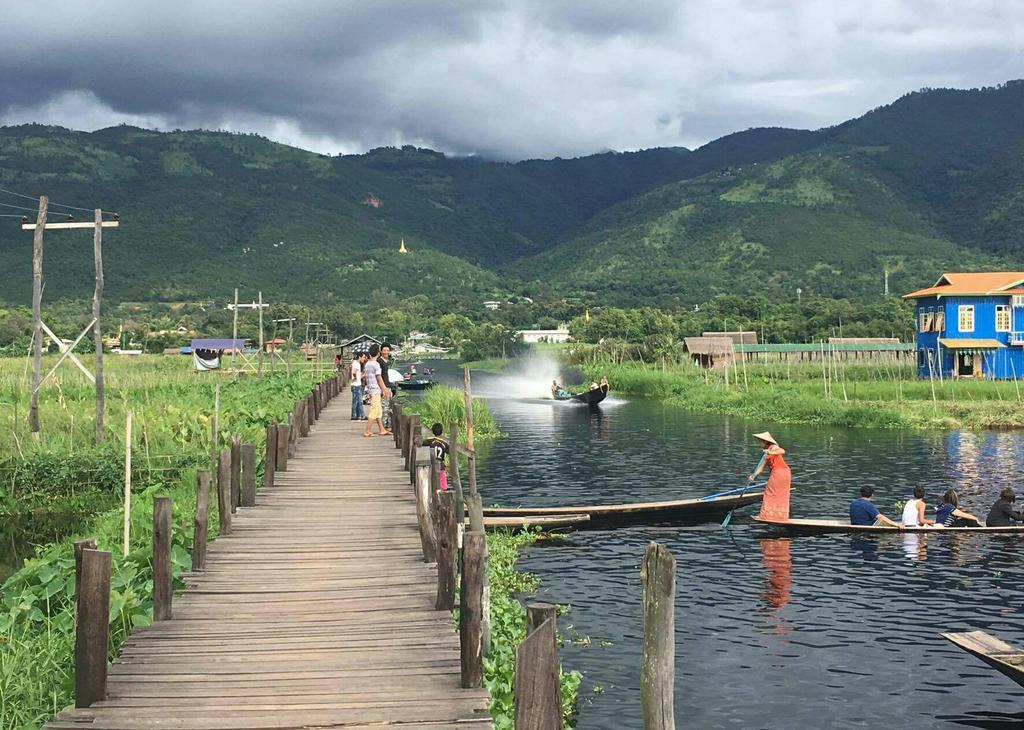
{"x":212,"y":344}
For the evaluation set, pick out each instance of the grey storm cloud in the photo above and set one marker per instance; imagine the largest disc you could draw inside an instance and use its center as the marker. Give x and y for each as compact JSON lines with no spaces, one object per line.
{"x":501,"y":78}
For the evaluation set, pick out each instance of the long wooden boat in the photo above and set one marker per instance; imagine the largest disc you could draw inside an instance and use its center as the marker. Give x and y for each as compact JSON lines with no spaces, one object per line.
{"x":588,"y":397}
{"x":544,"y":522}
{"x":814,"y":527}
{"x":418,"y":384}
{"x":678,"y":510}
{"x":996,"y":653}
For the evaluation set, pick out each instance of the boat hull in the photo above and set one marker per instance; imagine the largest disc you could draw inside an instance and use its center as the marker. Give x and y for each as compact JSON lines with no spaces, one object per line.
{"x":415,"y":385}
{"x":819,"y":527}
{"x":681,"y":511}
{"x":996,"y":653}
{"x":545,"y":523}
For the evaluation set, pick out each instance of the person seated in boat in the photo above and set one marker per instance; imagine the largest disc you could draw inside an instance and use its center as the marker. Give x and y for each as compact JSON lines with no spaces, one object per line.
{"x":1002,"y":513}
{"x":864,"y":512}
{"x":949,"y":514}
{"x":594,"y":386}
{"x":441,"y":449}
{"x":557,"y":391}
{"x":604,"y":383}
{"x":913,"y":510}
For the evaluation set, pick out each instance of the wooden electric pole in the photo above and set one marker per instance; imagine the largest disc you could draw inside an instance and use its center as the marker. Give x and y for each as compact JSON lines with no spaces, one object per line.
{"x":37,"y":313}
{"x":97,"y":330}
{"x":261,"y":332}
{"x":234,"y":338}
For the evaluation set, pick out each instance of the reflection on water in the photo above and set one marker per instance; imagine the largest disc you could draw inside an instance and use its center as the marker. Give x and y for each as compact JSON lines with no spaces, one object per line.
{"x":772,"y":632}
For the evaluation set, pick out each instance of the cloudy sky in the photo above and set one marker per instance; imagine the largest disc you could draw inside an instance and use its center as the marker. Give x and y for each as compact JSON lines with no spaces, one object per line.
{"x":501,"y":78}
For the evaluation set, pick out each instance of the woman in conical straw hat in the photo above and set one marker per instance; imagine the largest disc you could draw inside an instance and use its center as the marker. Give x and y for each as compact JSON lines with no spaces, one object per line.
{"x":775,"y":505}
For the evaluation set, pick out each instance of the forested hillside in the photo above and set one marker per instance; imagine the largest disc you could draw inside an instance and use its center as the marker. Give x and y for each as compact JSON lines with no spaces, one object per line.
{"x":931,"y":182}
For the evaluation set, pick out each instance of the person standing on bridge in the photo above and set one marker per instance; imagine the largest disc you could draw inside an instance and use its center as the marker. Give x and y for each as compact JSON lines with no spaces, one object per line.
{"x":775,"y":505}
{"x":356,"y":375}
{"x":376,"y":389}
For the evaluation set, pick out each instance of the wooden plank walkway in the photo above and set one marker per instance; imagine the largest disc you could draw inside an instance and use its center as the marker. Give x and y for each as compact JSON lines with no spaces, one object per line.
{"x":318,"y":611}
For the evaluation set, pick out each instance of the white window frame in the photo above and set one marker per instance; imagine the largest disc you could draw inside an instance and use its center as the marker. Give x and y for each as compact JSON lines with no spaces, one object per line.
{"x":1007,"y":313}
{"x":922,"y":324}
{"x":1018,"y":300}
{"x":965,"y":314}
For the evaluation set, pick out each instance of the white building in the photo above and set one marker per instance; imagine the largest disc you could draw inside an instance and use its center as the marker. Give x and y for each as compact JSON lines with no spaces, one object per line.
{"x":558,"y":335}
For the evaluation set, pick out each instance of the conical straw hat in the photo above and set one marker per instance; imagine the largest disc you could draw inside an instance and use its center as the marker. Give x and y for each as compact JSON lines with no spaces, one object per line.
{"x":765,"y":436}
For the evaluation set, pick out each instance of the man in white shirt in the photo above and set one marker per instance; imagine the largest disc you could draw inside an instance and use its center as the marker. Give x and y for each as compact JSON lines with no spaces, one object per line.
{"x":356,"y":375}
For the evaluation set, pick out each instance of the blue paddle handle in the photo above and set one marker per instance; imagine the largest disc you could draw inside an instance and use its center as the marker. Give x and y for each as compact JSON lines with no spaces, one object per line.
{"x":733,"y":491}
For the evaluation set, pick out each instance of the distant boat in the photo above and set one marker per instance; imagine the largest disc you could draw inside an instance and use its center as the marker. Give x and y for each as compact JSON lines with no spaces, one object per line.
{"x":589,"y":397}
{"x":415,"y":384}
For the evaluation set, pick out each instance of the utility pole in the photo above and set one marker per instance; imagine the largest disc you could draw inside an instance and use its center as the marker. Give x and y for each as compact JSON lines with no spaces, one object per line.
{"x":247,"y":361}
{"x":37,"y":313}
{"x":97,"y":330}
{"x":261,"y":332}
{"x":886,"y":281}
{"x":234,"y":337}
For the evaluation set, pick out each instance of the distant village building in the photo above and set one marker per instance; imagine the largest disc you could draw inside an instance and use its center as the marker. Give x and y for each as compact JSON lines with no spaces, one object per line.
{"x":556,"y":335}
{"x":372,"y":200}
{"x":358,"y":344}
{"x":275,"y":344}
{"x":738,"y":337}
{"x":492,"y":305}
{"x":971,"y":325}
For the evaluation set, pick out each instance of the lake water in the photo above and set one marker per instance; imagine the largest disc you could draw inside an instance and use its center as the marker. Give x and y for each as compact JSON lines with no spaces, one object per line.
{"x":772,"y":632}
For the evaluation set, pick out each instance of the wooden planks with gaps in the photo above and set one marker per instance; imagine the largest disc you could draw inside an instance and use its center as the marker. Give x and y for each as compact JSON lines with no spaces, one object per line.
{"x":316,"y":611}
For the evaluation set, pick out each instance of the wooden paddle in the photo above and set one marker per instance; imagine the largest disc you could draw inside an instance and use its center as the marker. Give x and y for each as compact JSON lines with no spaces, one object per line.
{"x":728,"y":517}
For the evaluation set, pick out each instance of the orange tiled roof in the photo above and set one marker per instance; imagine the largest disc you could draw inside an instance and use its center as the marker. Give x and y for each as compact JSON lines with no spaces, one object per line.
{"x":965,"y":284}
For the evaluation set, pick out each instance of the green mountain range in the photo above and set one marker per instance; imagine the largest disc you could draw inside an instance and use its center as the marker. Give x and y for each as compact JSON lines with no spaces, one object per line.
{"x":931,"y":182}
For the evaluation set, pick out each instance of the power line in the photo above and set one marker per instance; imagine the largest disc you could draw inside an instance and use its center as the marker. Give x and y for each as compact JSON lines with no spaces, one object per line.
{"x":18,"y":207}
{"x":54,"y":203}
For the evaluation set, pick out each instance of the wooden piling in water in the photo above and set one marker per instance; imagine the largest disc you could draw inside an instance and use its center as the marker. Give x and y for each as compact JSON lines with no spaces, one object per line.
{"x":471,"y":599}
{"x":224,"y":492}
{"x":270,"y":456}
{"x":447,"y":551}
{"x":248,"y":475}
{"x":162,"y":586}
{"x":92,"y":628}
{"x":424,"y":513}
{"x":657,"y":669}
{"x":236,"y":471}
{"x":201,"y":522}
{"x":538,"y":696}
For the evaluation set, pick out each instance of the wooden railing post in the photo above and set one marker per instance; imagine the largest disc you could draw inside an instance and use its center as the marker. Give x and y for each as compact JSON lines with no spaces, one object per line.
{"x":396,"y":422}
{"x":657,"y":670}
{"x":538,"y":697}
{"x":162,"y":586}
{"x":303,"y":417}
{"x":236,"y":471}
{"x":471,"y":599}
{"x":270,"y":457}
{"x":538,"y":613}
{"x":293,"y":430}
{"x":92,"y":629}
{"x":403,"y":434}
{"x":424,"y":512}
{"x":201,"y":523}
{"x":474,"y":504}
{"x":224,"y":492}
{"x":312,"y":411}
{"x":283,"y":440}
{"x":248,"y":475}
{"x":80,"y":545}
{"x":453,"y":471}
{"x":447,"y":551}
{"x":414,"y":444}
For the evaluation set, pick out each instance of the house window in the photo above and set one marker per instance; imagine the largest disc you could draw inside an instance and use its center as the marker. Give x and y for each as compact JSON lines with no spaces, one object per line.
{"x":940,"y":321}
{"x":1002,"y":318}
{"x":965,"y":318}
{"x":1018,"y":300}
{"x":923,"y":323}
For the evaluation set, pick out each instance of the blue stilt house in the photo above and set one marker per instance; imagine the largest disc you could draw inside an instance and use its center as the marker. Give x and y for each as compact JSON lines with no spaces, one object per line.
{"x":971,"y":325}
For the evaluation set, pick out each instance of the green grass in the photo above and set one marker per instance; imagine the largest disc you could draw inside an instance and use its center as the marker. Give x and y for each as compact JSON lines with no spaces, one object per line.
{"x":493,"y":365}
{"x":445,"y":405}
{"x":868,"y":396}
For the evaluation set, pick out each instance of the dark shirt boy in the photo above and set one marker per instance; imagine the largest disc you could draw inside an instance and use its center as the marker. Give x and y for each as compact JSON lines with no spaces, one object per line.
{"x":863,"y":512}
{"x":1003,"y":514}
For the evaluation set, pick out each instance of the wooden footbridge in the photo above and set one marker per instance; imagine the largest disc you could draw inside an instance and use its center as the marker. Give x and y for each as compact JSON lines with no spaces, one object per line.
{"x":315,"y":608}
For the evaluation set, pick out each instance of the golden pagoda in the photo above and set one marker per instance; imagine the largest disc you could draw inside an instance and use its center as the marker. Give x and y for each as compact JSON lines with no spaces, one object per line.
{"x":402,"y":248}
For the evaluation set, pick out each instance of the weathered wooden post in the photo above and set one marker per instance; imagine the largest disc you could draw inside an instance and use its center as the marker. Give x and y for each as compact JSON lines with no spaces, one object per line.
{"x":293,"y":431}
{"x":80,"y":545}
{"x":162,"y":586}
{"x":91,"y":631}
{"x":538,"y":697}
{"x":453,"y":471}
{"x":474,"y":504}
{"x":283,"y":439}
{"x":224,"y":492}
{"x":37,"y":314}
{"x":201,"y":523}
{"x":447,"y":551}
{"x":97,"y":328}
{"x":270,"y":456}
{"x":423,"y":511}
{"x":414,"y":444}
{"x":657,"y":670}
{"x":304,"y":417}
{"x":312,"y":411}
{"x":396,"y":422}
{"x":236,"y":471}
{"x":471,"y":599}
{"x":403,"y":434}
{"x":538,"y":613}
{"x":248,"y":475}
